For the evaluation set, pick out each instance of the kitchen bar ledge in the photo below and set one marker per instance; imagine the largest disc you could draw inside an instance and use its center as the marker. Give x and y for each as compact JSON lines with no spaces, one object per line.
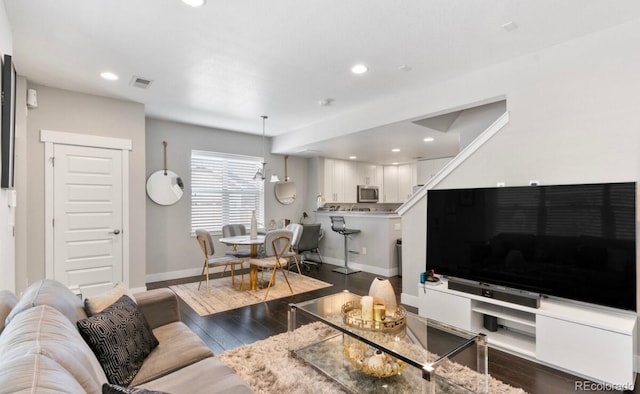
{"x":373,"y":249}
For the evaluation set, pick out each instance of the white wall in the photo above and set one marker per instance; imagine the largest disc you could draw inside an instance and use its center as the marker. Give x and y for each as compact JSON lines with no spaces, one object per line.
{"x":573,"y":118}
{"x":7,"y":240}
{"x":63,"y":110}
{"x":171,"y":251}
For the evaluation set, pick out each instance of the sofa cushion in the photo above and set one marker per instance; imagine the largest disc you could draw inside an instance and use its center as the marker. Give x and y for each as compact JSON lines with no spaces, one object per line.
{"x":36,"y":373}
{"x":98,"y":303}
{"x":52,"y":293}
{"x":121,"y":339}
{"x":7,"y":301}
{"x":109,"y":388}
{"x":179,"y":347}
{"x":207,"y":376}
{"x":45,"y":331}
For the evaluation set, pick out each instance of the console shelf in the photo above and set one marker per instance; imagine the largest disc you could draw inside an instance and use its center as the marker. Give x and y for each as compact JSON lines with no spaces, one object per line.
{"x":512,"y":341}
{"x":586,"y":340}
{"x":521,"y":317}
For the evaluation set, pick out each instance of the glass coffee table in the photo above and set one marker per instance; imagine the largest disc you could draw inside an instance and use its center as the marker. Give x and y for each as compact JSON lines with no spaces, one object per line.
{"x":402,"y":353}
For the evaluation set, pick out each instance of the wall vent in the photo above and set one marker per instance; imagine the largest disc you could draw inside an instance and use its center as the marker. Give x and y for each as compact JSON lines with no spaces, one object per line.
{"x":142,"y":83}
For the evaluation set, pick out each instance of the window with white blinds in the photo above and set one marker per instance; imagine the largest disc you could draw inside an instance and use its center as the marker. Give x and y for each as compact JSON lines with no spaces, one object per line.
{"x":223,"y":190}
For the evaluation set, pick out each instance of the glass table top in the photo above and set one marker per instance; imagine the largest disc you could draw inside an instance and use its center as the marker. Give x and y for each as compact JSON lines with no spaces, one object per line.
{"x":330,"y":310}
{"x":411,"y":342}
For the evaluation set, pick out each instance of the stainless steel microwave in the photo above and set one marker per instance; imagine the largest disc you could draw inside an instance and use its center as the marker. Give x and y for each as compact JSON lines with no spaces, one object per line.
{"x":367,"y":193}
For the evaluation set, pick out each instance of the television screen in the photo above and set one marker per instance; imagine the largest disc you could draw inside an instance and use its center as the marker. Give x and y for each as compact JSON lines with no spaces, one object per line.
{"x":569,"y":241}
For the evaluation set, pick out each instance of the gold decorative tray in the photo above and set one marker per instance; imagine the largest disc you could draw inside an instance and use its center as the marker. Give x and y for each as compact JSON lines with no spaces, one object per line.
{"x":352,"y":316}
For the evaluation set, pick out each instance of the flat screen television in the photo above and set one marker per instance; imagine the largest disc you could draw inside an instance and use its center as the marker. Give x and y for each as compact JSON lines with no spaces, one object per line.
{"x":570,"y":241}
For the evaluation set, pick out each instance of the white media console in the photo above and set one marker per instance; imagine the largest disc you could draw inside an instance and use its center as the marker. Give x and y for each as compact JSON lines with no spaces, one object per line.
{"x":585,"y":340}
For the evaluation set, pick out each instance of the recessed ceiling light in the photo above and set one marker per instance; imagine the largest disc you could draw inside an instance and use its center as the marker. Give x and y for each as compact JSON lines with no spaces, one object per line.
{"x":405,"y":68}
{"x":195,"y":3}
{"x":326,"y":102}
{"x":394,"y":163}
{"x":353,"y":157}
{"x":510,"y":26}
{"x":428,"y":139}
{"x":395,"y":150}
{"x":359,"y":69}
{"x":109,"y":75}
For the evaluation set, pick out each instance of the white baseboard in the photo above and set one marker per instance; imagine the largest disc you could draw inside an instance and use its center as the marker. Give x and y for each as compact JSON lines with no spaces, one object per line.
{"x":386,"y":272}
{"x":409,"y":299}
{"x":149,"y":278}
{"x":138,"y":289}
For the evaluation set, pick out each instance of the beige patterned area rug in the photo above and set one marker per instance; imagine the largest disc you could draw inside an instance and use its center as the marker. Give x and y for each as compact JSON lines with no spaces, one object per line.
{"x":269,"y":369}
{"x":221,"y":296}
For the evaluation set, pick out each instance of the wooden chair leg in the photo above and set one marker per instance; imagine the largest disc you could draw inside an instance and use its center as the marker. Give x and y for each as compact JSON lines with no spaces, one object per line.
{"x":200,"y":283}
{"x":205,"y":271}
{"x":233,"y":279}
{"x":295,"y":258}
{"x":273,"y":278}
{"x":241,"y":275}
{"x":285,"y":276}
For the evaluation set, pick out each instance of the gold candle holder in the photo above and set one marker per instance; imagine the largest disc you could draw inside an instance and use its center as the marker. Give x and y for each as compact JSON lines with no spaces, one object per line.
{"x":379,"y":312}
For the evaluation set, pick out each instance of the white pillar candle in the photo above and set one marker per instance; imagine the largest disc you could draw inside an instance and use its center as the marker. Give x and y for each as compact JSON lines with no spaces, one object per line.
{"x":367,"y":308}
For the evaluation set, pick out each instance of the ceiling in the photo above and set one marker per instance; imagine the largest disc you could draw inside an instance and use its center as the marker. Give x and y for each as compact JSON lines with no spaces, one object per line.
{"x":227,"y":63}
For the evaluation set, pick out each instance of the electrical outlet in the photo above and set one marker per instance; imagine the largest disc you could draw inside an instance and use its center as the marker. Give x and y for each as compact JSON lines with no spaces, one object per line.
{"x":364,"y":250}
{"x":501,"y":184}
{"x":534,"y":183}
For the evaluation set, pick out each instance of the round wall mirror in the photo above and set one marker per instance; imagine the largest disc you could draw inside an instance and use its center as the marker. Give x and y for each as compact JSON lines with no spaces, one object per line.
{"x":165,"y":187}
{"x":285,"y":192}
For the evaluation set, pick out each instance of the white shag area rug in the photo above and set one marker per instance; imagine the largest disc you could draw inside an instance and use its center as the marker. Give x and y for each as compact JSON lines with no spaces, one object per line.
{"x":268,"y":368}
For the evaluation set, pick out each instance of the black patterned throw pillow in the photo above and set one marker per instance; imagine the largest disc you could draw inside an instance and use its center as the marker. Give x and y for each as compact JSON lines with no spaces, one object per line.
{"x":121,"y":339}
{"x":108,"y":388}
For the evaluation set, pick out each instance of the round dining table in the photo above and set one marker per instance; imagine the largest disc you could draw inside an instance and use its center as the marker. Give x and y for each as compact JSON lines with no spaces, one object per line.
{"x":253,"y":244}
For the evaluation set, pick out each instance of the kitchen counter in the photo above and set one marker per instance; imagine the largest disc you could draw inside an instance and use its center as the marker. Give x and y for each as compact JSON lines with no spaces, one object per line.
{"x":373,"y":248}
{"x":358,"y":213}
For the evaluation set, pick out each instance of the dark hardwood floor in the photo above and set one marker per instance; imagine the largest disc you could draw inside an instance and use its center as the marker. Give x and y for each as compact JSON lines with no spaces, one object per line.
{"x":228,"y":330}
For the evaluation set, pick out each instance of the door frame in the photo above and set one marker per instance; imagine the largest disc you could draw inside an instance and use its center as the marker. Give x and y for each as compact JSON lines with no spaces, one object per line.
{"x":51,"y":138}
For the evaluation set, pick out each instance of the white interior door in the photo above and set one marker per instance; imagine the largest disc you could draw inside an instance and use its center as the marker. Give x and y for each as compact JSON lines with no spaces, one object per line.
{"x":87,"y":217}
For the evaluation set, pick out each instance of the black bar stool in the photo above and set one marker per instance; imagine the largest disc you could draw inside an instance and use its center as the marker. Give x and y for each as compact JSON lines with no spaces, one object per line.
{"x":339,"y":226}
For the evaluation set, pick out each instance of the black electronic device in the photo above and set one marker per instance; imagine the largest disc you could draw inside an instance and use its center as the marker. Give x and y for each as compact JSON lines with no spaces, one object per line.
{"x":514,"y":296}
{"x":570,"y":241}
{"x":490,"y":323}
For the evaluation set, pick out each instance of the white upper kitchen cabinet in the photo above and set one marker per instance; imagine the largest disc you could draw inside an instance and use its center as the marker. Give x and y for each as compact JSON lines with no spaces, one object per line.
{"x":407,"y":178}
{"x":398,"y":182}
{"x":366,"y":174}
{"x":339,"y":181}
{"x":390,"y":182}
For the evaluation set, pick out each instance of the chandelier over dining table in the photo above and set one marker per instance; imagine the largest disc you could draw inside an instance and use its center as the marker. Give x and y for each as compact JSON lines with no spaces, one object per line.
{"x":261,"y":173}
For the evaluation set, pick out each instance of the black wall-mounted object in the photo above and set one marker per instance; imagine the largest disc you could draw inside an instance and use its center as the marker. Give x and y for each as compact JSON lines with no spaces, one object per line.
{"x":7,"y":131}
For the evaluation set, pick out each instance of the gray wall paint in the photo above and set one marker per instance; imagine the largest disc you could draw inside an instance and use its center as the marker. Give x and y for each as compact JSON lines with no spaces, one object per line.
{"x":573,"y":118}
{"x":66,"y":111}
{"x":171,"y":250}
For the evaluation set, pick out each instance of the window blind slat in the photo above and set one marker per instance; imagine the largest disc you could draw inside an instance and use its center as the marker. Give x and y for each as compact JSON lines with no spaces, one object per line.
{"x":223,"y":190}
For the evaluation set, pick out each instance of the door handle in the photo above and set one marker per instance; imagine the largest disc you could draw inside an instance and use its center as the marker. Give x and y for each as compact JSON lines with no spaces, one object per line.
{"x":116,"y":232}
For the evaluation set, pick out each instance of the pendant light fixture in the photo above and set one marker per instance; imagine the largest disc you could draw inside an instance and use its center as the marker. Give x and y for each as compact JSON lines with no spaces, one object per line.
{"x":261,"y":173}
